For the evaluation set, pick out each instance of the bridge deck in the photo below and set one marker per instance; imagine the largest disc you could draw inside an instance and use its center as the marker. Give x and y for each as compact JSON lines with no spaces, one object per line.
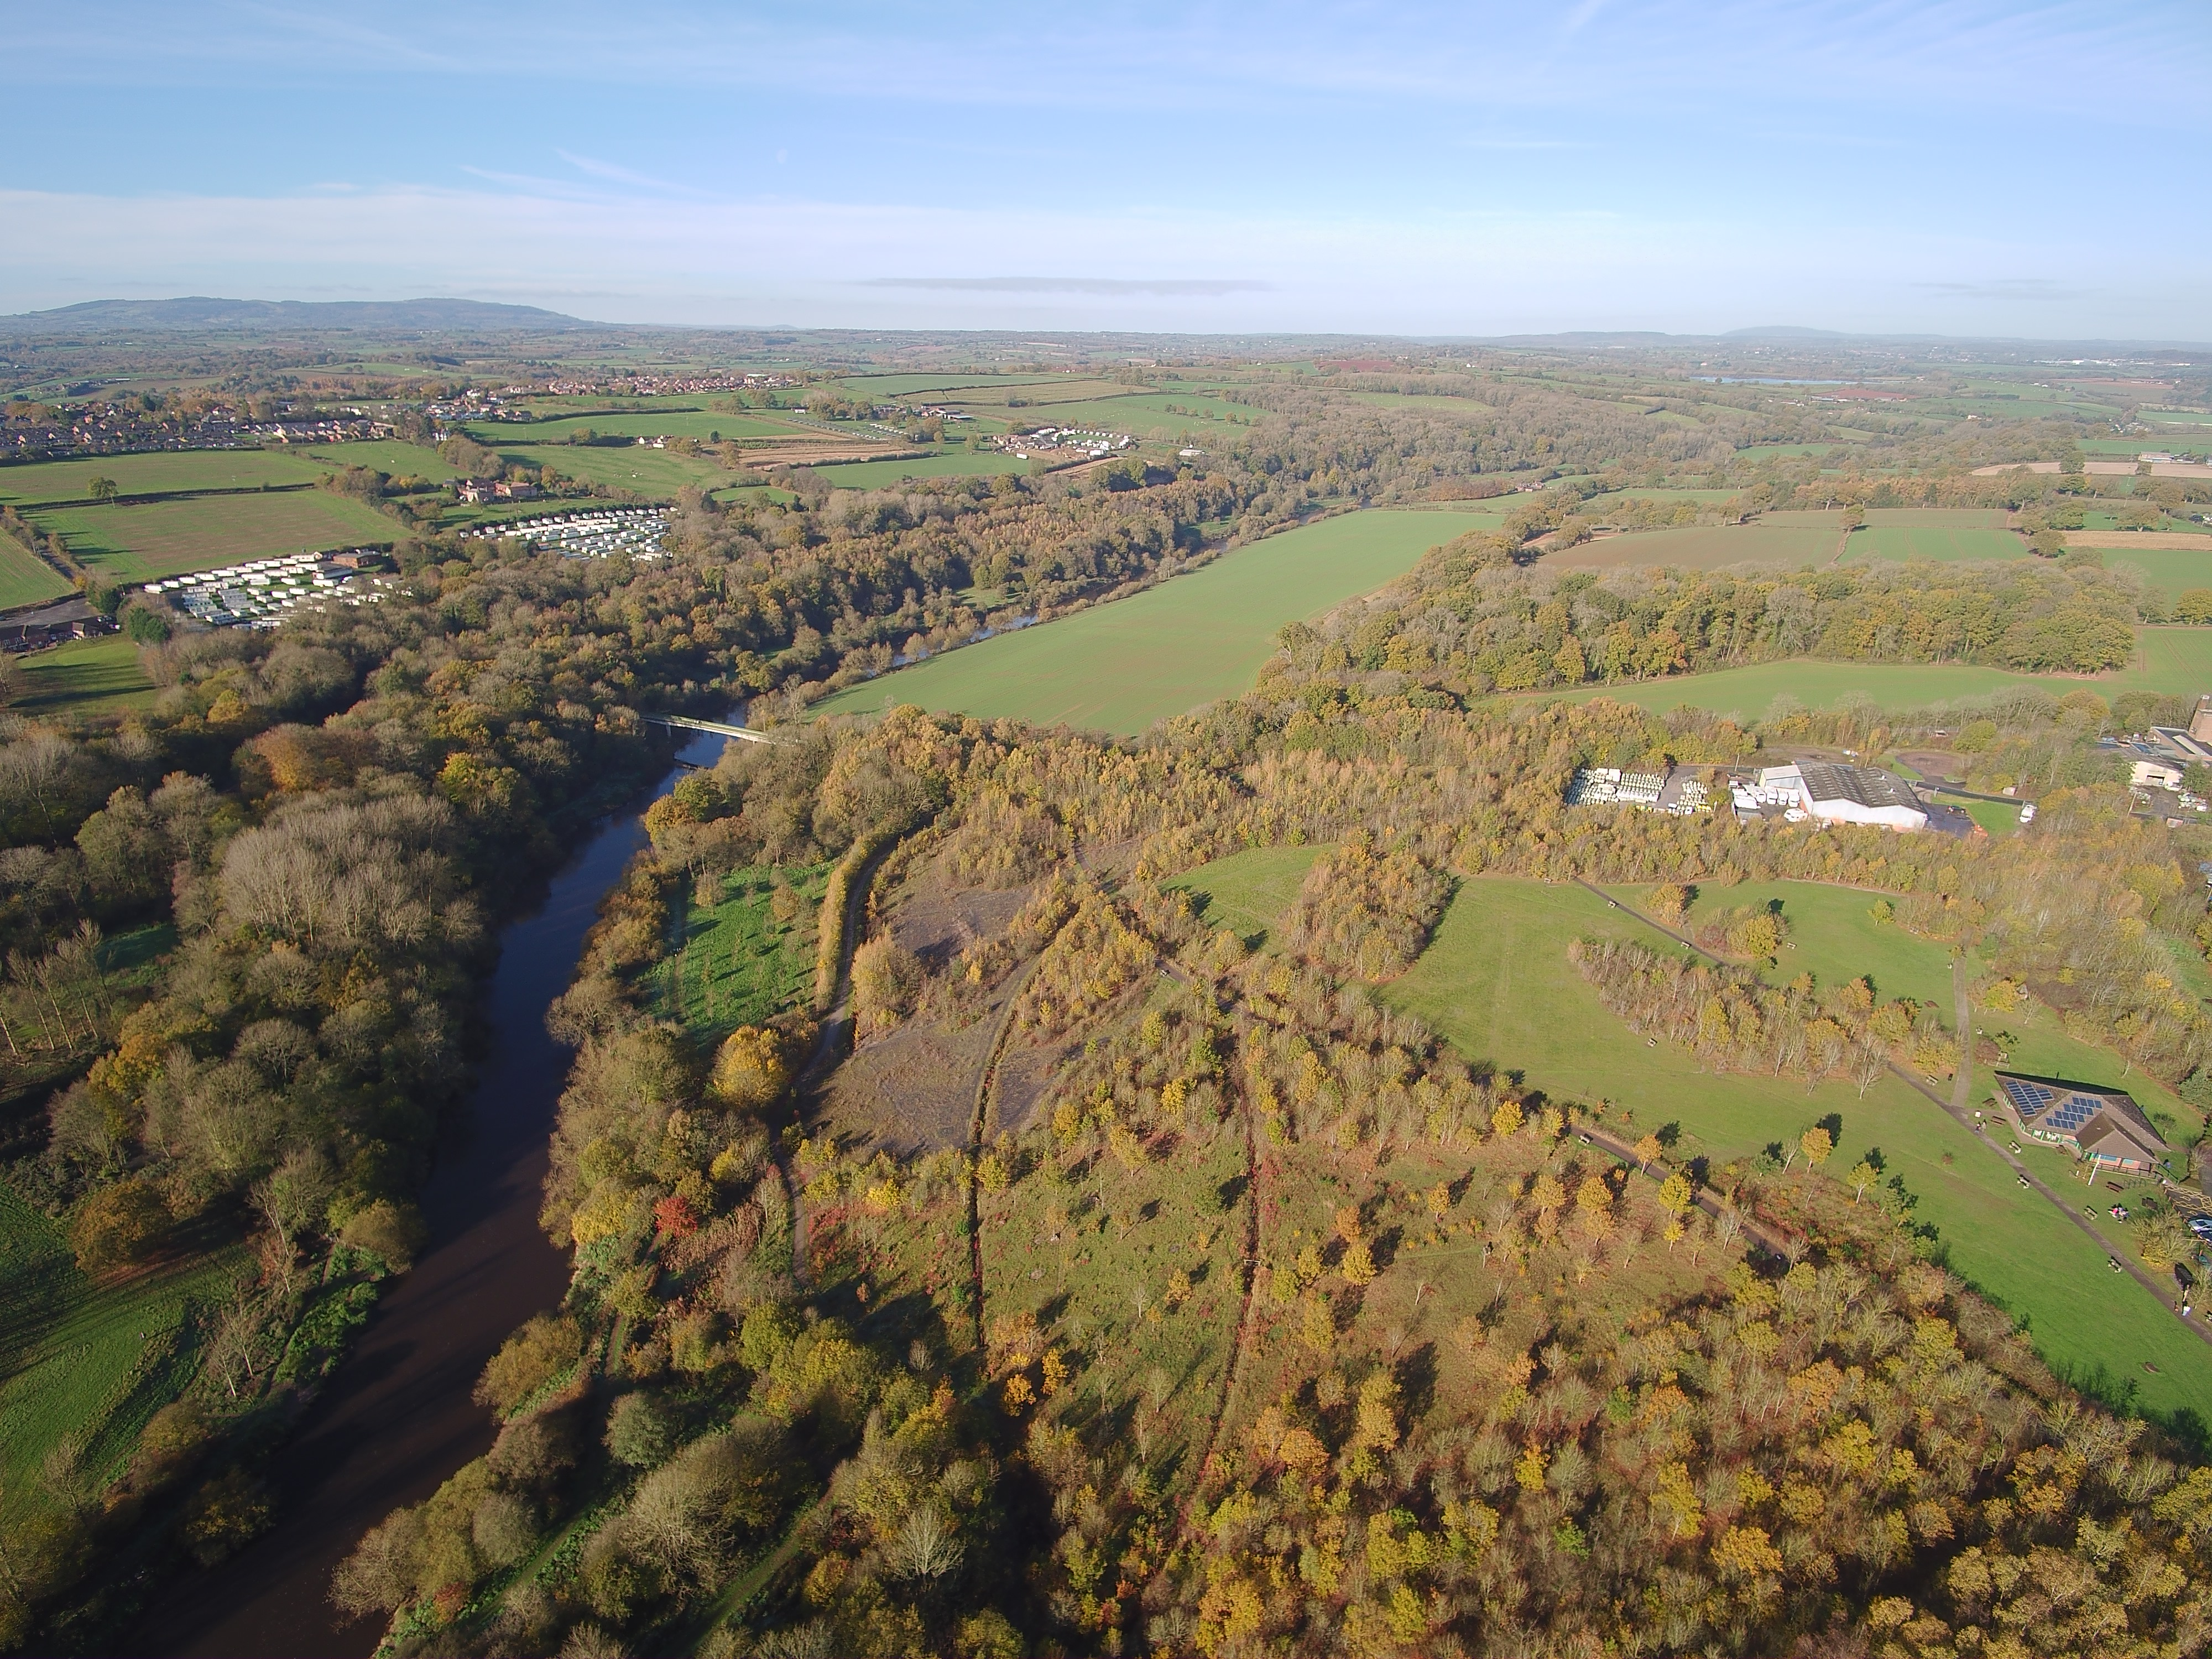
{"x":716,"y":726}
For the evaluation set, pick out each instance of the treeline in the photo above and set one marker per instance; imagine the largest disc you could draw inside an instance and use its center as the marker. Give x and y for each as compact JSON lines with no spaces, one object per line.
{"x":1465,"y":623}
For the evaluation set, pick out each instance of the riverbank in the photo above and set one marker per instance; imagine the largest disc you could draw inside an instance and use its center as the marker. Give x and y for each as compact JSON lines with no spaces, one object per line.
{"x":398,"y":1418}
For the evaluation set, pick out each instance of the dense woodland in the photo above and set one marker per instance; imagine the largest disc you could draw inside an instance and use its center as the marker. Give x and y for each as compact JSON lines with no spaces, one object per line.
{"x":244,"y":931}
{"x":1831,"y":1442}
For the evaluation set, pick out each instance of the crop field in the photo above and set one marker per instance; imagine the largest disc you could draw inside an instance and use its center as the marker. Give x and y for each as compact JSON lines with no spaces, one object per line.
{"x":168,"y":538}
{"x":2171,"y":660}
{"x":1172,"y":647}
{"x":906,"y":386}
{"x":1791,"y":539}
{"x":1496,"y":980}
{"x":1947,"y":535}
{"x":185,"y":469}
{"x":879,"y":475}
{"x":690,"y":423}
{"x":654,"y":474}
{"x":85,"y":1361}
{"x":88,"y":676}
{"x":2175,"y":570}
{"x":387,"y":455}
{"x":1249,"y":891}
{"x":1050,"y":394}
{"x":25,"y":578}
{"x":737,"y":965}
{"x":1145,"y":416}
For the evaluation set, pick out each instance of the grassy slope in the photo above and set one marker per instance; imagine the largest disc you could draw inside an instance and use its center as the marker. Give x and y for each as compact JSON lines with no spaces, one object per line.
{"x":1496,"y":981}
{"x":1172,"y":647}
{"x":83,"y":1359}
{"x":167,"y":538}
{"x":86,"y":675}
{"x":651,"y":474}
{"x":738,"y":965}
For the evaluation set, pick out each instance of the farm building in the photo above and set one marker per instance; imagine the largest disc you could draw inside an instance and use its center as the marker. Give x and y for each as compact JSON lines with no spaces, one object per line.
{"x":2103,"y":1126}
{"x":1839,"y":794}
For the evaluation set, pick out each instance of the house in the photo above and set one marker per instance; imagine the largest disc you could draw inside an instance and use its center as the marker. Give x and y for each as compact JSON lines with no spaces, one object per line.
{"x":2104,"y":1127}
{"x":2154,"y":775}
{"x":516,"y":492}
{"x":1842,"y":794}
{"x":2200,"y":721}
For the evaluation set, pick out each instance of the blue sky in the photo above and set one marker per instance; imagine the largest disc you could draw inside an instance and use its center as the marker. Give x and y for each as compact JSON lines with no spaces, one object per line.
{"x":1956,"y":168}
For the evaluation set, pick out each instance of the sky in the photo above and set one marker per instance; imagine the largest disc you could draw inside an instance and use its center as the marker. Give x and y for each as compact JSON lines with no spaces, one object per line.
{"x":1948,"y":167}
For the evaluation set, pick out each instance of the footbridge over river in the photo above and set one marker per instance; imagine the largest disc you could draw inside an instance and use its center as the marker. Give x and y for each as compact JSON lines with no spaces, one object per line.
{"x":721,"y":729}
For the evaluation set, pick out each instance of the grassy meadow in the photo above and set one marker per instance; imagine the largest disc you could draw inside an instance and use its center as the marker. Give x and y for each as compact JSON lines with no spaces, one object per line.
{"x":25,"y":578}
{"x":136,"y":543}
{"x":1940,"y":534}
{"x":29,"y":484}
{"x":87,"y":1362}
{"x":2172,"y":661}
{"x":1791,"y":539}
{"x":1248,"y":891}
{"x":1187,"y":642}
{"x":737,"y":965}
{"x":651,"y":474}
{"x":689,"y":422}
{"x":2173,"y":569}
{"x":88,"y":676}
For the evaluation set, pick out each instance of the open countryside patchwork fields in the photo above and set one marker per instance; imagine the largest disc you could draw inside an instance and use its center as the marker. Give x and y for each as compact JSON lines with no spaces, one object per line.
{"x":690,"y":423}
{"x":133,"y":543}
{"x":1191,"y":640}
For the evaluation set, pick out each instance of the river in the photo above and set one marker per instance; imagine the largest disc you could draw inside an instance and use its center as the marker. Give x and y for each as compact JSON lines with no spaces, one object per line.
{"x":396,"y":1419}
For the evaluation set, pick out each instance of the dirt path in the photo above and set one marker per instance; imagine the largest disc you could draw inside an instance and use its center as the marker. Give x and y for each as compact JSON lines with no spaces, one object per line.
{"x":829,"y":1037}
{"x":979,"y":1115}
{"x":1240,"y":1340}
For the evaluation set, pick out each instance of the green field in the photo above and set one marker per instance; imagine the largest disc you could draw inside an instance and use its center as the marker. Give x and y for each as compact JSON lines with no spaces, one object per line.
{"x":1793,"y":538}
{"x":2172,"y":661}
{"x":177,"y":470}
{"x":2173,"y":569}
{"x":1249,"y":891}
{"x":1496,"y":980}
{"x":1187,"y":642}
{"x":879,"y":475}
{"x":691,"y":422}
{"x":738,"y":965}
{"x":905,"y":385}
{"x":654,"y":474}
{"x":85,"y":1361}
{"x":392,"y":456}
{"x":87,"y":676}
{"x":168,"y":538}
{"x":1998,"y":820}
{"x":25,"y":578}
{"x":1946,"y":535}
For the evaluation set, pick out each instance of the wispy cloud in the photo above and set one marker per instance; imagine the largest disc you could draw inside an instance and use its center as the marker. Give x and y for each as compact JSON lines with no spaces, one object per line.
{"x":1163,"y":287}
{"x":622,"y":175}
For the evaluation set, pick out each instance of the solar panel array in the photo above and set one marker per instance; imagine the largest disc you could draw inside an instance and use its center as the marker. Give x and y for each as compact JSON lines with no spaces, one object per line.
{"x":2069,"y":1109}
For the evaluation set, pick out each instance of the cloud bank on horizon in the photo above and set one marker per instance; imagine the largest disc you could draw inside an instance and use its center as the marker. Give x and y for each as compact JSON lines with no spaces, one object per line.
{"x":1963,"y":167}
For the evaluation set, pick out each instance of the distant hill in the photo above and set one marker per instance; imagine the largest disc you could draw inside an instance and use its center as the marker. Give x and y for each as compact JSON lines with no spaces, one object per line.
{"x":377,"y":315}
{"x":1784,"y":332}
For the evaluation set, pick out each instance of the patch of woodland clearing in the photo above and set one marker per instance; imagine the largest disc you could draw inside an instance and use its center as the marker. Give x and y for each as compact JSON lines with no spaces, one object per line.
{"x":924,"y":1022}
